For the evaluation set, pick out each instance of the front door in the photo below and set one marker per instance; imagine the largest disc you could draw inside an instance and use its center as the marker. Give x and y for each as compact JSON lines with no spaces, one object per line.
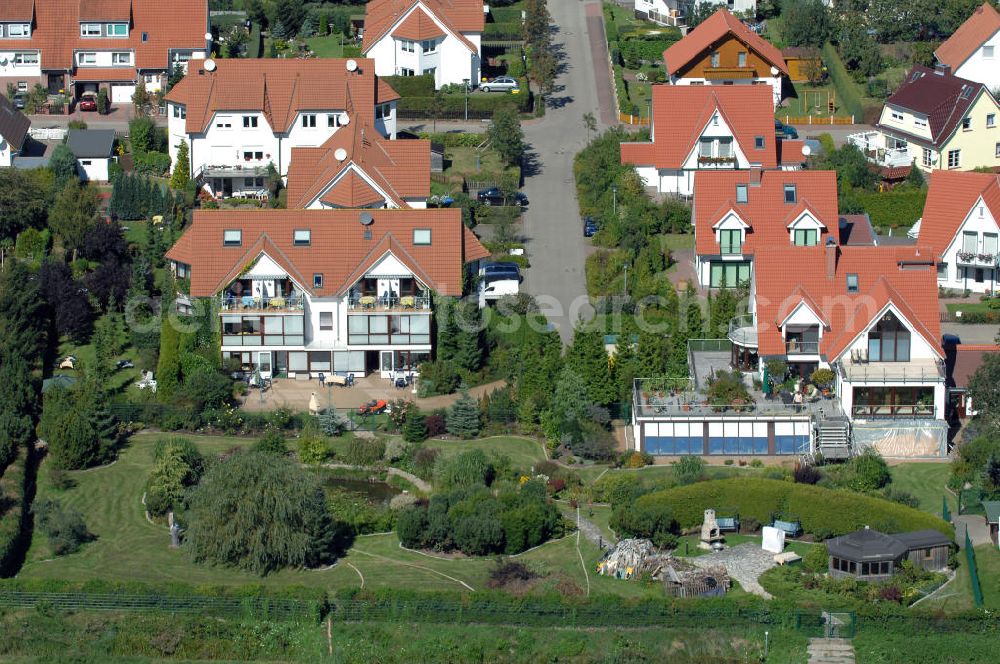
{"x":386,"y":363}
{"x":264,"y":363}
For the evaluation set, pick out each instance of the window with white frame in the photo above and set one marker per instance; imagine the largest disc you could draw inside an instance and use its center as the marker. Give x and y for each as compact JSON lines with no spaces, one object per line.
{"x":25,"y":58}
{"x":428,"y":46}
{"x":223,"y":122}
{"x":430,"y":71}
{"x":988,"y":52}
{"x":382,"y":111}
{"x":970,"y":242}
{"x":705,"y":147}
{"x":333,"y":120}
{"x":421,"y":236}
{"x":18,"y":30}
{"x":302,"y":237}
{"x":991,"y":120}
{"x":309,"y":120}
{"x":87,"y":58}
{"x":90,"y":29}
{"x":318,"y":280}
{"x":927,"y":158}
{"x":121,"y":58}
{"x":997,"y":150}
{"x":117,"y":29}
{"x":405,"y":71}
{"x":919,"y":122}
{"x":232,"y":238}
{"x":954,"y":158}
{"x":715,"y":59}
{"x":726,"y":148}
{"x":966,"y":124}
{"x":990,"y":244}
{"x":407,"y":46}
{"x":942,"y":271}
{"x":895,"y":115}
{"x":741,"y":59}
{"x":326,"y":320}
{"x":180,"y":112}
{"x":249,"y":121}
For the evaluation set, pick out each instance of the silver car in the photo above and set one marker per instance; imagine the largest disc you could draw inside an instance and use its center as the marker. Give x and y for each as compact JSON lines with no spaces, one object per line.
{"x":502,"y":83}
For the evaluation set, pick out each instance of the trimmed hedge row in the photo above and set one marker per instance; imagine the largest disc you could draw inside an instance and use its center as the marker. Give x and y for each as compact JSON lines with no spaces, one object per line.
{"x":456,"y":103}
{"x":819,"y":510}
{"x":849,"y":91}
{"x":900,"y":207}
{"x":454,"y":139}
{"x":13,"y":522}
{"x":412,"y":86}
{"x":503,"y":31}
{"x":506,"y":15}
{"x":99,"y":586}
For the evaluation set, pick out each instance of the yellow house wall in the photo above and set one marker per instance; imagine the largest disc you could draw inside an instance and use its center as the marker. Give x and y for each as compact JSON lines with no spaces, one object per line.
{"x":978,"y":144}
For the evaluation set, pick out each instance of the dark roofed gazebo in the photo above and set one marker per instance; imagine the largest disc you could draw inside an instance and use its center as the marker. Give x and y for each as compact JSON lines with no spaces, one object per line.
{"x":869,"y":555}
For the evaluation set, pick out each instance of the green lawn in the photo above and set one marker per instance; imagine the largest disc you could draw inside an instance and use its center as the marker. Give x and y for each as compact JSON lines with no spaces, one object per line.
{"x":118,"y":380}
{"x":677,"y":241}
{"x":330,"y":46}
{"x":523,"y":452}
{"x":471,"y":162}
{"x":811,"y":100}
{"x":970,"y":306}
{"x":957,"y":595}
{"x":926,"y":481}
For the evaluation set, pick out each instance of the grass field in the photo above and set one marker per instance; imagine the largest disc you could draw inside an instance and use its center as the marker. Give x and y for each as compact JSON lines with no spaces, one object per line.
{"x":957,"y":595}
{"x":523,"y":452}
{"x":118,"y":380}
{"x":969,"y":307}
{"x":330,"y":46}
{"x":677,"y":241}
{"x":926,"y":481}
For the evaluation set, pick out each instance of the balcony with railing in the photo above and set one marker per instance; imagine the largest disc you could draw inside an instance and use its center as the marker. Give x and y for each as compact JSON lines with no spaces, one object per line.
{"x":229,"y":171}
{"x":370,"y":303}
{"x":729,"y":73}
{"x":678,"y":397}
{"x":976,"y":259}
{"x":859,"y":371}
{"x":872,"y":144}
{"x":277,"y":304}
{"x":743,"y":331}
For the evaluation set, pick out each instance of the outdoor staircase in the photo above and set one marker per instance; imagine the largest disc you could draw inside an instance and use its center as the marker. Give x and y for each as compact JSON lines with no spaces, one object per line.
{"x":831,"y":651}
{"x":833,"y":438}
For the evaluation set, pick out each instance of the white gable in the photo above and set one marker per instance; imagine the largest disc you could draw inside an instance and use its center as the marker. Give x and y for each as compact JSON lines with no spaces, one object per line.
{"x":266,"y":268}
{"x":806,"y":220}
{"x":802,"y":314}
{"x":389,"y":266}
{"x":979,"y":220}
{"x":731,"y":220}
{"x":919,"y":347}
{"x":716,"y":128}
{"x":427,"y":10}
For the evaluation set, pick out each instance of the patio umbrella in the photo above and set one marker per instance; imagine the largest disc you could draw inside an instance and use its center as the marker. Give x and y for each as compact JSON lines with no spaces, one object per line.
{"x":766,"y":382}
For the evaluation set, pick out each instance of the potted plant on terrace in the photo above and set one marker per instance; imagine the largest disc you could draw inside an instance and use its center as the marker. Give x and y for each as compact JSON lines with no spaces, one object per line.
{"x":823,"y":379}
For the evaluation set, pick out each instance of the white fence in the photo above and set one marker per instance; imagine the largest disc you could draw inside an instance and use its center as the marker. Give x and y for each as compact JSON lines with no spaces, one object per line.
{"x":47,"y":134}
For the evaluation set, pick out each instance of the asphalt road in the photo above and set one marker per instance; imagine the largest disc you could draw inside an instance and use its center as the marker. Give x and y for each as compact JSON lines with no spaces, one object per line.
{"x":552,"y":227}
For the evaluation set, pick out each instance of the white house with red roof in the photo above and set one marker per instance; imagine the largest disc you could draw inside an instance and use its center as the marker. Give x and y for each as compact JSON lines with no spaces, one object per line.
{"x":417,"y":37}
{"x":706,"y":128}
{"x":334,"y":292}
{"x":75,"y":46}
{"x":722,"y":50}
{"x":973,"y":51}
{"x":240,"y":115}
{"x":961,"y":225}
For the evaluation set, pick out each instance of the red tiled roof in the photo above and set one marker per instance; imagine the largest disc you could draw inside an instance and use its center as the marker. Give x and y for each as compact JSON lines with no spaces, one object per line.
{"x":790,"y":152}
{"x":104,"y":10}
{"x":950,"y":198}
{"x":457,"y":16}
{"x":713,"y":29}
{"x":968,"y":358}
{"x":352,"y":192}
{"x":279,"y":89}
{"x":385,"y":93}
{"x":17,"y":10}
{"x":911,"y":291}
{"x":681,"y":113}
{"x":401,"y":169}
{"x":105,"y":74}
{"x":418,"y":25}
{"x":166,"y":25}
{"x":337,"y":249}
{"x":983,"y":24}
{"x":943,"y":98}
{"x":765,"y":211}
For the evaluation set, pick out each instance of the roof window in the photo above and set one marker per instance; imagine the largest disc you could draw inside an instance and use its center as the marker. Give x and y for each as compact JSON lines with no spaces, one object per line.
{"x":318,"y":280}
{"x":790,"y":193}
{"x":741,"y":193}
{"x":232,"y":238}
{"x":421,"y":236}
{"x":758,"y":142}
{"x":852,"y":283}
{"x":302,"y":237}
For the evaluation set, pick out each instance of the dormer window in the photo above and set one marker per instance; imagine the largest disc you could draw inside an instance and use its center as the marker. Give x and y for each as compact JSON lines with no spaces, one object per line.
{"x":90,"y":29}
{"x":87,"y":58}
{"x":806,"y":237}
{"x":232,"y":238}
{"x":117,"y":29}
{"x":250,"y":121}
{"x":18,"y":30}
{"x":852,"y":283}
{"x":741,"y":193}
{"x":302,"y":237}
{"x":790,"y":193}
{"x":121,"y":58}
{"x":309,"y":120}
{"x":758,"y":142}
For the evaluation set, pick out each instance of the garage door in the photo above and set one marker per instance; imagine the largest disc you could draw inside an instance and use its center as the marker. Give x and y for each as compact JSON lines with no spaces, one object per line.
{"x":122,"y":94}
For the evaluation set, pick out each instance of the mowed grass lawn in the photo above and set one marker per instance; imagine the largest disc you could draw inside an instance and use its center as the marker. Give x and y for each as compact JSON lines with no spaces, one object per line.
{"x":524,"y":453}
{"x":130,"y":548}
{"x":926,"y":481}
{"x":957,"y":595}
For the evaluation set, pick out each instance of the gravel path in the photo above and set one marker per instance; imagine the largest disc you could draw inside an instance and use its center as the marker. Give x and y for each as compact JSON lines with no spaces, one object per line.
{"x":743,"y":562}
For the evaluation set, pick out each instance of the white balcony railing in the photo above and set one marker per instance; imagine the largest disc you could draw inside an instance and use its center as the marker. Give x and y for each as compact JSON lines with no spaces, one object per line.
{"x":872,"y":144}
{"x":975,"y":258}
{"x":374,"y":303}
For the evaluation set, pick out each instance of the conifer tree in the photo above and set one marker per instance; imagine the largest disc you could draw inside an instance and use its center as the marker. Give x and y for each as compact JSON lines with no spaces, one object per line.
{"x":463,"y":417}
{"x":587,"y":357}
{"x":415,"y":426}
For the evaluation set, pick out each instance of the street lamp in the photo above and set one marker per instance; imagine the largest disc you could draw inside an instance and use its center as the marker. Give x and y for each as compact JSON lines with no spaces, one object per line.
{"x":614,"y":199}
{"x":466,"y":81}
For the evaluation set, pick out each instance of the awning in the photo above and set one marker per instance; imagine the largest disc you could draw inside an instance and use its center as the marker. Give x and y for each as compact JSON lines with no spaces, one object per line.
{"x":101,"y":74}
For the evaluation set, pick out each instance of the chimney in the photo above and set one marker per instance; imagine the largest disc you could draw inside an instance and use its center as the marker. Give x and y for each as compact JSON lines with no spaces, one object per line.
{"x":941,"y":69}
{"x":831,"y":258}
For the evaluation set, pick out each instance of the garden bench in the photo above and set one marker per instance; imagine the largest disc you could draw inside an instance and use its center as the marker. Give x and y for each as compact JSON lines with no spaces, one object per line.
{"x":791,"y":528}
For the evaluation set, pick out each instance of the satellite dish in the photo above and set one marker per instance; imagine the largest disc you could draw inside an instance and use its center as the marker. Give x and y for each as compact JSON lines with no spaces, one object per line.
{"x":774,"y":71}
{"x":345,"y":119}
{"x":352,"y":65}
{"x":208,"y":36}
{"x":209,"y":64}
{"x":340,"y":154}
{"x":806,"y":150}
{"x":366,"y":219}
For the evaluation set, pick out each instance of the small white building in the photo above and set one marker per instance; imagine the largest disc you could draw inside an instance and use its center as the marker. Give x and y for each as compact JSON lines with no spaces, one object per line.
{"x":418,"y":37}
{"x":973,"y":51}
{"x":239,"y":116}
{"x":961,"y":226}
{"x":14,"y":127}
{"x":94,"y":150}
{"x":310,"y":292}
{"x":663,"y":12}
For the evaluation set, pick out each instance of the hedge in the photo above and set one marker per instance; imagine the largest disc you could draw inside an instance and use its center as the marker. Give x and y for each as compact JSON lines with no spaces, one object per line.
{"x":898,"y":208}
{"x":849,"y":91}
{"x":649,"y":50}
{"x":506,"y":15}
{"x":503,"y":31}
{"x":412,"y":86}
{"x":818,"y":509}
{"x":13,"y":521}
{"x":454,"y":139}
{"x":456,"y":103}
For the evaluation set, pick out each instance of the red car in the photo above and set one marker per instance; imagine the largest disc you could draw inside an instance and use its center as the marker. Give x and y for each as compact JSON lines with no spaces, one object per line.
{"x":87,"y":102}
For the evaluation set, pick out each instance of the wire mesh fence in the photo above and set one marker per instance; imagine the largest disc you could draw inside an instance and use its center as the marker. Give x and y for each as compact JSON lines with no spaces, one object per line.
{"x":970,"y":558}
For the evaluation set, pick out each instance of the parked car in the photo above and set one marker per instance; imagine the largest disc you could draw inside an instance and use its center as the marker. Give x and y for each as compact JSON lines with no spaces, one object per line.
{"x":501,"y":84}
{"x":87,"y":101}
{"x":782,"y":130}
{"x":493,"y":196}
{"x":499,"y":271}
{"x":19,"y":100}
{"x":124,"y":364}
{"x":590,"y":227}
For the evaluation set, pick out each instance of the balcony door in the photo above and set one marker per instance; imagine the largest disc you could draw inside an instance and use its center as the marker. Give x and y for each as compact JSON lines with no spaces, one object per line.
{"x":889,"y":341}
{"x":388,"y":288}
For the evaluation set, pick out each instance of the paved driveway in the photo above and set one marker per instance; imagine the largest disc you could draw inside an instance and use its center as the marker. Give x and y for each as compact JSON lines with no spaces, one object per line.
{"x":552,"y":226}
